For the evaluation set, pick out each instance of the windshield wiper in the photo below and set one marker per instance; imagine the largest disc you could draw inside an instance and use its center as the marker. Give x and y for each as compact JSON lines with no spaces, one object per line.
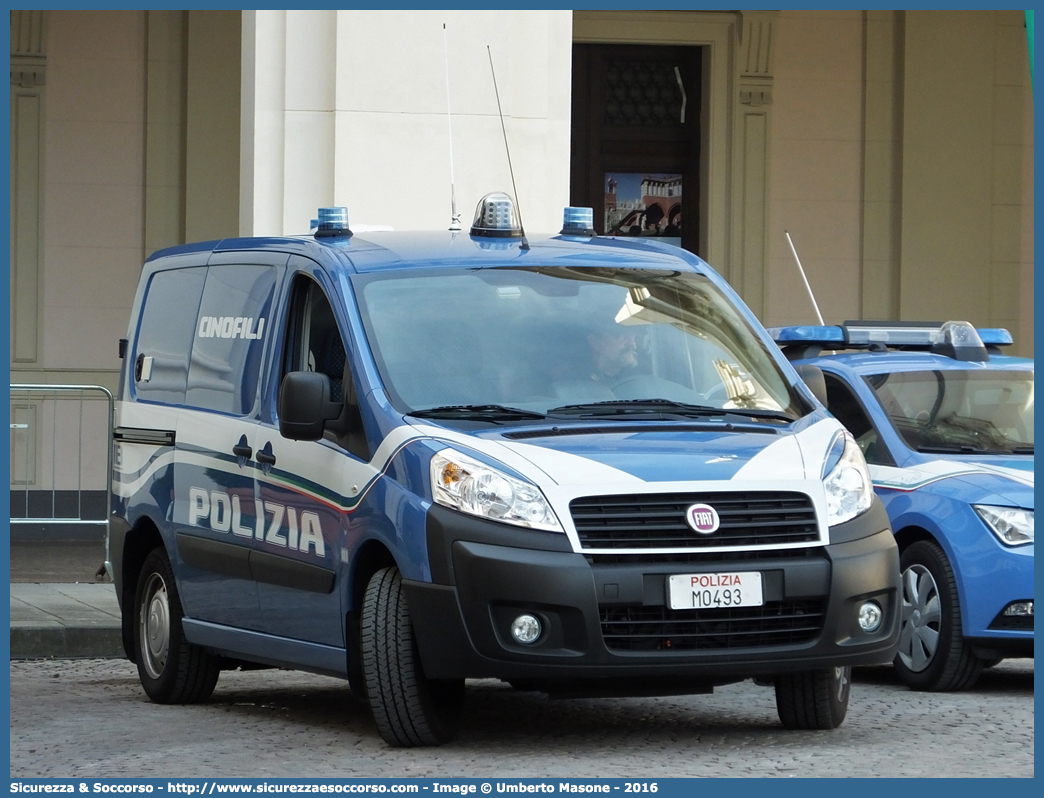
{"x":478,"y":413}
{"x":969,"y":449}
{"x":962,"y":449}
{"x":624,"y":408}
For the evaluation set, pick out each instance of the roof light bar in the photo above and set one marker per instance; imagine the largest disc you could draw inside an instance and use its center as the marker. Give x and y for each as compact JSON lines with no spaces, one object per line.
{"x":495,"y":217}
{"x":863,"y":334}
{"x":332,"y":222}
{"x":956,"y":339}
{"x":578,"y":222}
{"x":807,"y":334}
{"x":995,"y":336}
{"x":959,"y":340}
{"x":890,"y":333}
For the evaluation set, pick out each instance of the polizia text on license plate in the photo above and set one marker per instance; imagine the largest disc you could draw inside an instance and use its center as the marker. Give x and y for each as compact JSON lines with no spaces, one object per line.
{"x":709,"y":591}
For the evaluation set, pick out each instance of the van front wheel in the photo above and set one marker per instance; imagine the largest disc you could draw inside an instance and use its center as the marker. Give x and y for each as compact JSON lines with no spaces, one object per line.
{"x":813,"y":699}
{"x":172,"y":670}
{"x":409,"y":708}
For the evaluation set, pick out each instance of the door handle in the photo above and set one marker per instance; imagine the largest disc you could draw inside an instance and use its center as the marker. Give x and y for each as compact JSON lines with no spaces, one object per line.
{"x":265,"y":456}
{"x":242,"y":451}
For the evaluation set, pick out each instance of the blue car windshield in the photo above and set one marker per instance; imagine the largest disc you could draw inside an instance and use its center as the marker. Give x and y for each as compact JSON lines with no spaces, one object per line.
{"x":960,"y":411}
{"x":542,"y":338}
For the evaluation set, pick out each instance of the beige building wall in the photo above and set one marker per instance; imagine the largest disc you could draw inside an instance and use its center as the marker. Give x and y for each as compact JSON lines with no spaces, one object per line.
{"x":898,"y":150}
{"x":350,"y":108}
{"x":965,"y":240}
{"x":212,"y":140}
{"x":816,"y":167}
{"x":93,"y":177}
{"x":902,"y":164}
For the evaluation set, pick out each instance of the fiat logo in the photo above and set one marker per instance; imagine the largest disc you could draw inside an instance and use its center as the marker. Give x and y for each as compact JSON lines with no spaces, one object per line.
{"x":703,"y":518}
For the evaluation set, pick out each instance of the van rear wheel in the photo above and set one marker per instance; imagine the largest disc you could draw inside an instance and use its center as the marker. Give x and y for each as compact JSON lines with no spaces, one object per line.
{"x":172,"y":670}
{"x":410,"y":709}
{"x":813,"y":699}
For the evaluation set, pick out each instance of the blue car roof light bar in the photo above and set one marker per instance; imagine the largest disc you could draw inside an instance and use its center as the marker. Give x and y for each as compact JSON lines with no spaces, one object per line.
{"x":956,"y":339}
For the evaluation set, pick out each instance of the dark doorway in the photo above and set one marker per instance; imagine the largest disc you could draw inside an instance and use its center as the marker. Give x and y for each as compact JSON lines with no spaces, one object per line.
{"x":635,"y":155}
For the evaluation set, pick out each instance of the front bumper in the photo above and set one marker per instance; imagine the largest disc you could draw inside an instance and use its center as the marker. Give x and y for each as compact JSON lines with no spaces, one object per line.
{"x":988,"y":585}
{"x":607,"y":616}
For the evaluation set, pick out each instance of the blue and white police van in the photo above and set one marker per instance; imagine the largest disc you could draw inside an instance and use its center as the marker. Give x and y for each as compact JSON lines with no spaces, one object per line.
{"x":578,"y":465}
{"x":945,"y":421}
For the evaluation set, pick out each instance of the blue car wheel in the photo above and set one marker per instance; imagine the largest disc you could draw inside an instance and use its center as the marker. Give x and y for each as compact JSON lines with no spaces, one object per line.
{"x":933,"y":654}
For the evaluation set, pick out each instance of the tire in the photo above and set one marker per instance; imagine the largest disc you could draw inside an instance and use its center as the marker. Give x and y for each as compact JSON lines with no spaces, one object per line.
{"x":933,"y":654}
{"x":410,"y":709}
{"x":172,"y":670}
{"x":813,"y":699}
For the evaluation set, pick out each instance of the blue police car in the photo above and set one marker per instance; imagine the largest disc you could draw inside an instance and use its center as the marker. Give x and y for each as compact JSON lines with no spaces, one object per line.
{"x":945,"y":422}
{"x":577,"y":464}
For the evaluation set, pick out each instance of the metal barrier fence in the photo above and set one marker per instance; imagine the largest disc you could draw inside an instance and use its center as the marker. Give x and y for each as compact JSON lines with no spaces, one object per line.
{"x":61,"y":439}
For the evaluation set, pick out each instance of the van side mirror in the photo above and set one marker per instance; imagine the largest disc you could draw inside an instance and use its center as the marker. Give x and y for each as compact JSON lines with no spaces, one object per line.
{"x":812,"y":376}
{"x":304,"y":405}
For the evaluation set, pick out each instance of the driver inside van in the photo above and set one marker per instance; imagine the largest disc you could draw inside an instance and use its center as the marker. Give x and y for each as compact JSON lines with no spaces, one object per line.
{"x":614,"y":353}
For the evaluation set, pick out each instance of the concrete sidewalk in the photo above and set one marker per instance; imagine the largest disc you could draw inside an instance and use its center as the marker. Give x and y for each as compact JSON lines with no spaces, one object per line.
{"x":63,"y":620}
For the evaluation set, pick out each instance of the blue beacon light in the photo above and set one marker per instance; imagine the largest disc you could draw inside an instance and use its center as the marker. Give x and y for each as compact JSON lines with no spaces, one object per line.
{"x":578,"y":222}
{"x":332,"y":222}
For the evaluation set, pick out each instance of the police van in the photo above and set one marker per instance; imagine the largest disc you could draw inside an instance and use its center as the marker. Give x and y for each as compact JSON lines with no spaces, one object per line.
{"x":578,"y":465}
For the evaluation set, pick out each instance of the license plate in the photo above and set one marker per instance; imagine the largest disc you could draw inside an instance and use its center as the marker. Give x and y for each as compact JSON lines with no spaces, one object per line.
{"x":715,"y":591}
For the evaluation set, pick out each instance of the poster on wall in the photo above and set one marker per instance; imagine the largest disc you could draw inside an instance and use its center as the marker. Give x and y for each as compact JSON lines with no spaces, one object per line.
{"x":640,"y":204}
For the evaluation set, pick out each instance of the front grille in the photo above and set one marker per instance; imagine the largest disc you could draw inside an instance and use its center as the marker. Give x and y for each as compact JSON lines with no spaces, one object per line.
{"x":648,"y":521}
{"x":707,"y":557}
{"x":777,"y":623}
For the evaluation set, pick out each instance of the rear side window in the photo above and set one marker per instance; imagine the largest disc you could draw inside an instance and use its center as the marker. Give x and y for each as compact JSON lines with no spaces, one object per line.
{"x":168,"y":323}
{"x":228,"y":344}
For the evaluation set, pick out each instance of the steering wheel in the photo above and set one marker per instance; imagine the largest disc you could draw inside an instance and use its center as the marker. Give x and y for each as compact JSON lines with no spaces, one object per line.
{"x":716,"y":396}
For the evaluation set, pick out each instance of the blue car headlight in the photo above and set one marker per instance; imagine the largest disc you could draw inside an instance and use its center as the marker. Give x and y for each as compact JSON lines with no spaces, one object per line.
{"x":463,"y":483}
{"x":849,"y":490}
{"x":1013,"y":526}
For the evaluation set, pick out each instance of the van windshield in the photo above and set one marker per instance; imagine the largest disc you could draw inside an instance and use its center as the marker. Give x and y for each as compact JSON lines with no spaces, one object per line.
{"x":544,"y":338}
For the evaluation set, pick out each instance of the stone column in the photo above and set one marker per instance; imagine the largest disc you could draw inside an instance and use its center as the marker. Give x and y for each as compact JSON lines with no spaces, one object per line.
{"x":751,"y":136}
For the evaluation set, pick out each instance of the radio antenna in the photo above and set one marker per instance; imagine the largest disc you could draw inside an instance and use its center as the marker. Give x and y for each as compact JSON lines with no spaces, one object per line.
{"x":521,"y":227}
{"x":454,"y":216}
{"x":807,"y":286}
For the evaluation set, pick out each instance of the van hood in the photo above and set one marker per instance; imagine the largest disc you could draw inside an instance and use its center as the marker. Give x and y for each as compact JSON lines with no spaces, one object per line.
{"x":577,"y":455}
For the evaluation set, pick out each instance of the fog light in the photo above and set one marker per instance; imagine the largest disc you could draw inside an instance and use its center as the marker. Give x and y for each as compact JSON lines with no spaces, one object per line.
{"x":870,"y":616}
{"x":1019,"y":608}
{"x":526,"y":629}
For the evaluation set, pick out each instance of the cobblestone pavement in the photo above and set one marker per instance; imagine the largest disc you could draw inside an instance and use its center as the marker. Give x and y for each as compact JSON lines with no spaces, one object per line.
{"x":90,"y":718}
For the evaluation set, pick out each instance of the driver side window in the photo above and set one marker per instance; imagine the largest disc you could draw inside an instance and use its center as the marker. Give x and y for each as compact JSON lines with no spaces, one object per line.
{"x":846,"y":408}
{"x":314,"y":343}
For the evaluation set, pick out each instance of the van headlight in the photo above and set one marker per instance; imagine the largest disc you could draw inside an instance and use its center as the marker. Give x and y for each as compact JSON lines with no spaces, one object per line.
{"x":467,"y":485}
{"x":1013,"y":526}
{"x":849,"y":491}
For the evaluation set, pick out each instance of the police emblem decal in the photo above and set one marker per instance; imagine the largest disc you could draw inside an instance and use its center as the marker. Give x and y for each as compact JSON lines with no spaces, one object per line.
{"x":703,"y":518}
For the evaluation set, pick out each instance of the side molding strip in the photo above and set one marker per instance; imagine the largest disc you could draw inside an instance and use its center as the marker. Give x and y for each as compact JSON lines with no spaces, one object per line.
{"x":241,"y":562}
